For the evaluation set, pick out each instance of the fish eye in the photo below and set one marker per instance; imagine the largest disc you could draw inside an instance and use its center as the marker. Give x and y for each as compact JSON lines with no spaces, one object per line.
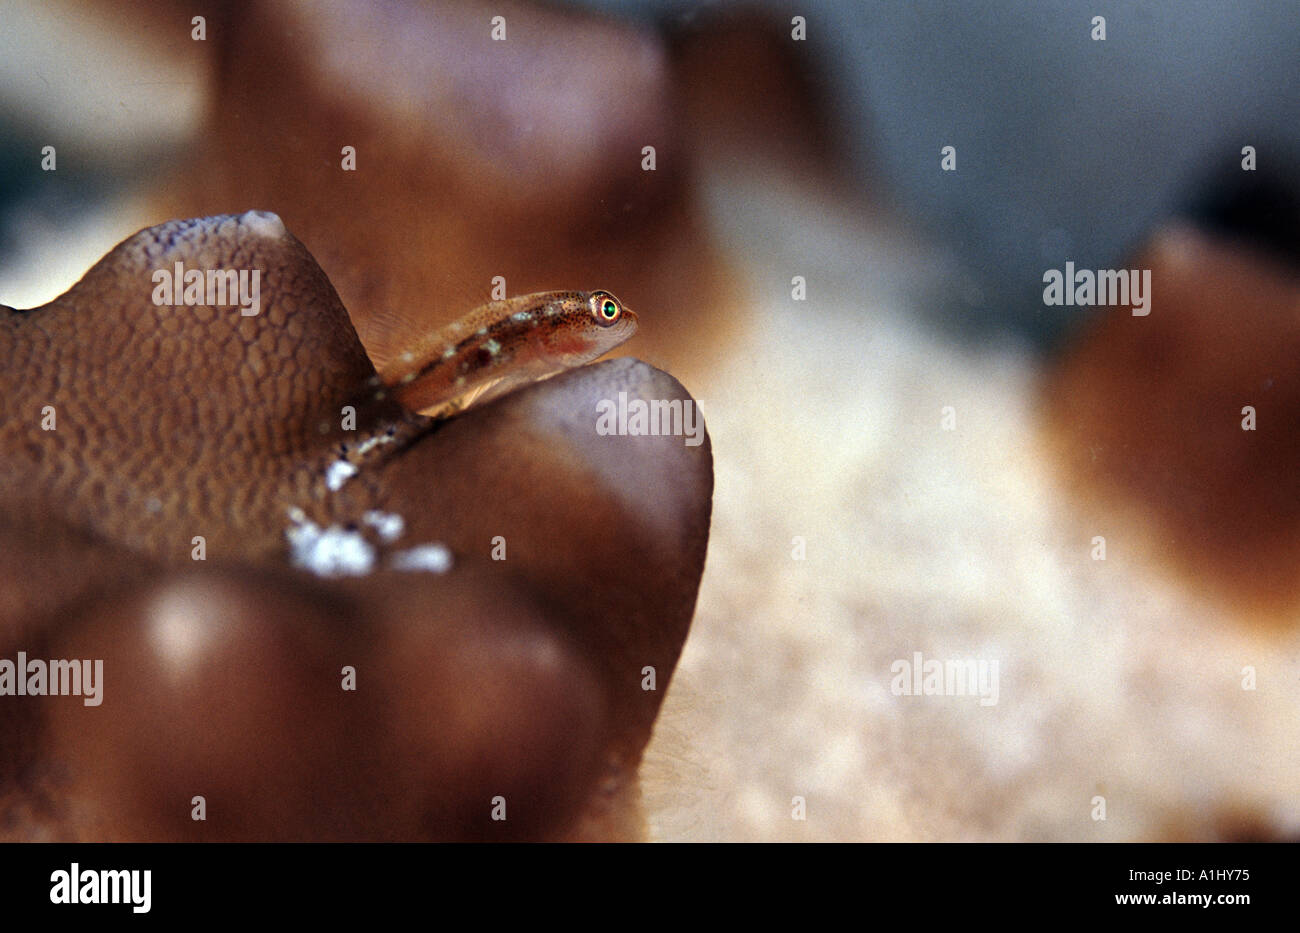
{"x":606,"y":307}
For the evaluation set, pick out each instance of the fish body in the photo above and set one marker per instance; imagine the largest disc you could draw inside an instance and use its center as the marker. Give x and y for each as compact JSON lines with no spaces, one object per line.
{"x":502,"y":345}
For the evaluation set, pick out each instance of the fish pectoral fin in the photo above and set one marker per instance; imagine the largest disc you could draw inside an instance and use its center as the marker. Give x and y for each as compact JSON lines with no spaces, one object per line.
{"x":495,"y":388}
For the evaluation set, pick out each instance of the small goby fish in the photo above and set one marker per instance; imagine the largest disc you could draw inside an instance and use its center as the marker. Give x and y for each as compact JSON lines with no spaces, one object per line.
{"x":502,"y":345}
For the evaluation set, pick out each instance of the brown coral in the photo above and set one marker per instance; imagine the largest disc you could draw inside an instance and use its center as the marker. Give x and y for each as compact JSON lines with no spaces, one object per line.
{"x":518,"y":678}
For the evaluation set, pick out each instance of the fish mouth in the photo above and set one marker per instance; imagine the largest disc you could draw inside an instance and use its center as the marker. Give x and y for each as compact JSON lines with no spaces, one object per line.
{"x":622,"y":330}
{"x":605,"y":339}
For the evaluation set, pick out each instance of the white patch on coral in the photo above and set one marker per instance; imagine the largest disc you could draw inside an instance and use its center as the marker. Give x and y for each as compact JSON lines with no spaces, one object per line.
{"x":262,"y":223}
{"x":179,"y":632}
{"x":434,"y":558}
{"x":371,"y":443}
{"x":327,"y":552}
{"x":338,"y":473}
{"x":388,"y":525}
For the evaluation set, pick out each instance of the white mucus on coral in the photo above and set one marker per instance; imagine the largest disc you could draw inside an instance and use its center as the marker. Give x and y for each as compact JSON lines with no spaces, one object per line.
{"x":433,"y":558}
{"x":327,"y":552}
{"x":338,"y":473}
{"x":388,"y":525}
{"x":371,"y":443}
